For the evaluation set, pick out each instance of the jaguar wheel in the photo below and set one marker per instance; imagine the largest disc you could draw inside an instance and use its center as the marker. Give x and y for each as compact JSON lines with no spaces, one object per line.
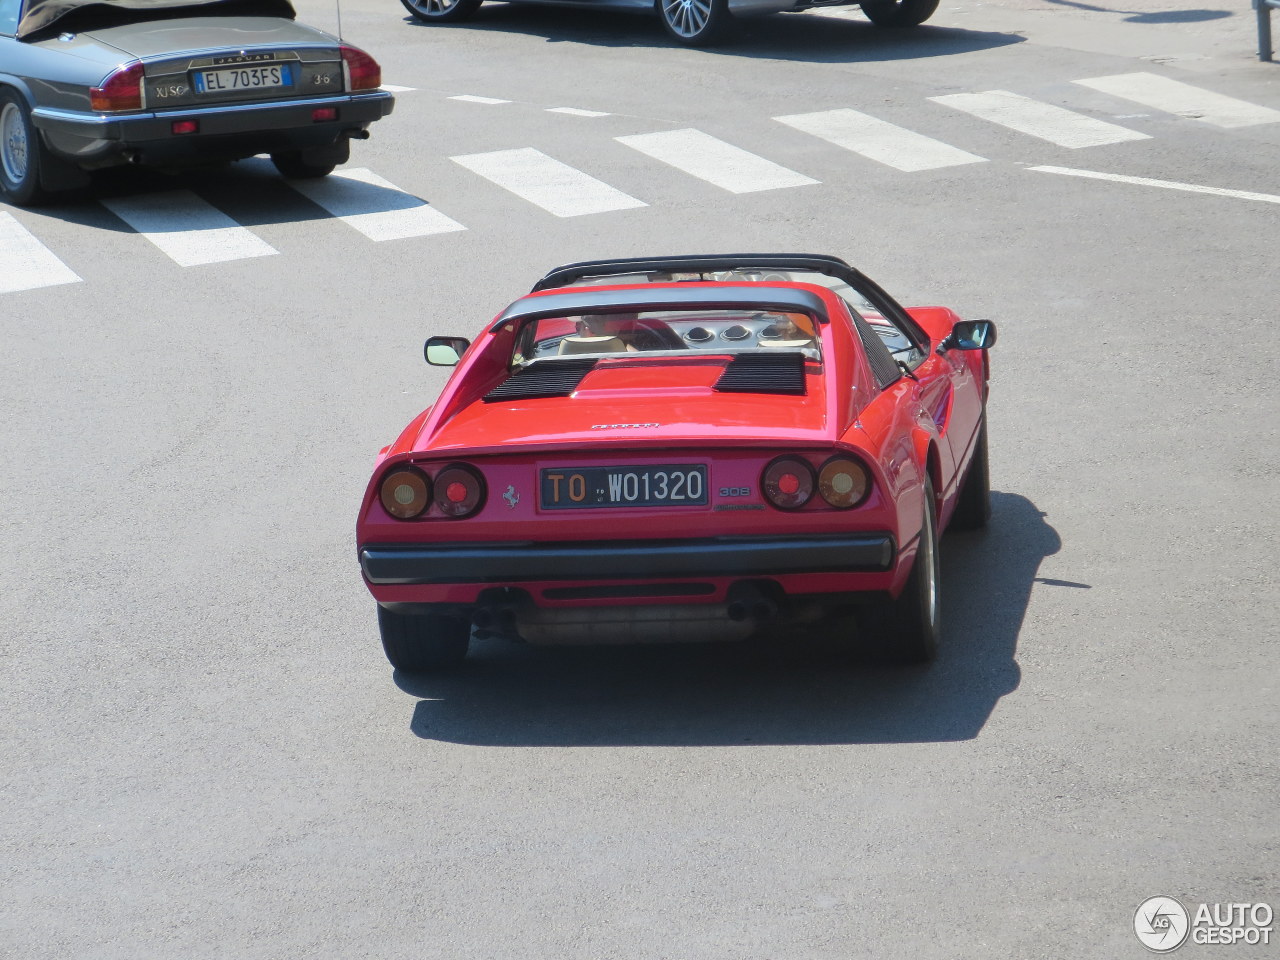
{"x":694,"y":23}
{"x":20,"y":152}
{"x":899,"y":13}
{"x":418,"y":642}
{"x":441,"y":11}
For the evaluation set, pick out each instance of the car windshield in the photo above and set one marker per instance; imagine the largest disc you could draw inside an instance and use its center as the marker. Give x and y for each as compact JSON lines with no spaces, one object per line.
{"x":669,"y":332}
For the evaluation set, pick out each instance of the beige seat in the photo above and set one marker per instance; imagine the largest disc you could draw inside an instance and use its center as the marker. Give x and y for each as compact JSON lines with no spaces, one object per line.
{"x":575,"y":345}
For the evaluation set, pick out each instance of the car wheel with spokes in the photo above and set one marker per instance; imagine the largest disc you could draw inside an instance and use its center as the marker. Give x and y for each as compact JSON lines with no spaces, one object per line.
{"x":20,"y":152}
{"x":899,"y":13}
{"x":441,"y":11}
{"x":416,"y":642}
{"x":694,"y":22}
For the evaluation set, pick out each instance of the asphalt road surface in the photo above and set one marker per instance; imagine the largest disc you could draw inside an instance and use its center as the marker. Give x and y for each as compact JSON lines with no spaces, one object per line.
{"x":204,"y":752}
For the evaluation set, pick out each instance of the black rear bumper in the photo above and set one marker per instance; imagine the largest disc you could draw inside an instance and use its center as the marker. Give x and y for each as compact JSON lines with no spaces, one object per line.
{"x":399,"y":564}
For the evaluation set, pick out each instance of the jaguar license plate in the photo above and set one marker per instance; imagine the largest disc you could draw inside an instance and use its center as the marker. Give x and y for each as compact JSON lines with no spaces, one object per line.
{"x":674,"y":485}
{"x":232,"y":79}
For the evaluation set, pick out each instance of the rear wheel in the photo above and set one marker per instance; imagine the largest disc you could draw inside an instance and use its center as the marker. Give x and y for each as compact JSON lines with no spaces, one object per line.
{"x":973,"y":508}
{"x":418,"y":642}
{"x":295,"y":166}
{"x":694,"y":23}
{"x":21,"y":152}
{"x":899,"y":13}
{"x":909,"y":627}
{"x":441,"y":11}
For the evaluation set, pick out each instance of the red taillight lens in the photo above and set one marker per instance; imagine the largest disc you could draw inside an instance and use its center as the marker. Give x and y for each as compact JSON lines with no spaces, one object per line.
{"x":459,"y":491}
{"x":788,"y":483}
{"x":363,"y":72}
{"x":405,"y":492}
{"x":122,"y":90}
{"x":844,"y":482}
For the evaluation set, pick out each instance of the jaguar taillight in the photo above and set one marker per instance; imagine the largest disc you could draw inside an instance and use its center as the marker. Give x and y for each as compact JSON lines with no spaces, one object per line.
{"x":121,"y":90}
{"x":363,"y":72}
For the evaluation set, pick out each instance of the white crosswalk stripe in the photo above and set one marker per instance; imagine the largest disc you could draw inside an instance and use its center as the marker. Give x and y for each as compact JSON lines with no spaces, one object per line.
{"x":374,"y":206}
{"x":187,"y":229}
{"x":1182,"y":99}
{"x":1055,"y":124}
{"x":471,"y":98}
{"x":578,"y":112}
{"x":542,"y":180}
{"x":718,"y":163}
{"x":879,"y":140}
{"x":25,"y":262}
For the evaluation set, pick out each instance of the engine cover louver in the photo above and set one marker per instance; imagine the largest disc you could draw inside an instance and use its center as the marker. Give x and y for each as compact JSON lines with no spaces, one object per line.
{"x":546,"y":378}
{"x":781,"y":372}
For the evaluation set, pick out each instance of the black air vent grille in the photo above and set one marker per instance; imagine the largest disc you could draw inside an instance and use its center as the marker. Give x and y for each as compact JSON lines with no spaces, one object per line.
{"x":781,"y":372}
{"x":546,"y":378}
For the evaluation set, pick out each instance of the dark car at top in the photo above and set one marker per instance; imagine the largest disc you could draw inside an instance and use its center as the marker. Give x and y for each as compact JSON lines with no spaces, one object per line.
{"x":88,"y":84}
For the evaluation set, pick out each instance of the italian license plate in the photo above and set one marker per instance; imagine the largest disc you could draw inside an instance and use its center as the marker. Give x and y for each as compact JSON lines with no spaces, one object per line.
{"x":231,"y":79}
{"x":677,"y":485}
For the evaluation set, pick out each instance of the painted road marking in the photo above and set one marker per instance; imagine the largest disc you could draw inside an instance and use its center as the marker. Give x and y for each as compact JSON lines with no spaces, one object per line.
{"x":187,"y":229}
{"x":577,"y":112}
{"x":467,"y":98}
{"x":1055,"y":124}
{"x":1182,"y":99}
{"x":1166,"y":184}
{"x":374,"y":206}
{"x":718,"y":163}
{"x":878,"y":140}
{"x":25,"y":262}
{"x":554,"y":186}
{"x":392,"y":88}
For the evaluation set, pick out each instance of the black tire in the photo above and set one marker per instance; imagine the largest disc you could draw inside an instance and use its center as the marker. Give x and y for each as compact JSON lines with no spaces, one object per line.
{"x":899,"y":13}
{"x":441,"y":11}
{"x":908,"y":629}
{"x":973,"y":508}
{"x":418,"y":642}
{"x":694,"y":23}
{"x":295,"y":167}
{"x":21,"y":152}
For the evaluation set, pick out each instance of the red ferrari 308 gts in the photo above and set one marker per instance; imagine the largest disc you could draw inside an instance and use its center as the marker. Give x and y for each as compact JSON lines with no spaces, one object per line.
{"x":682,"y":448}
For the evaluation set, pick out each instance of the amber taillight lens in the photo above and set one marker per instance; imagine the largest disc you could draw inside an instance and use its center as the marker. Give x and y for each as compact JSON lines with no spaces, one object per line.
{"x":460,"y":491}
{"x":844,"y":482}
{"x":788,"y":483}
{"x":405,"y":492}
{"x":363,"y":72}
{"x":122,"y":90}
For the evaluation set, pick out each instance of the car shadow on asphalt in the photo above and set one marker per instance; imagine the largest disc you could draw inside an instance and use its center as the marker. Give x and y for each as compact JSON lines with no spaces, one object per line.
{"x":796,"y":37}
{"x":779,"y":693}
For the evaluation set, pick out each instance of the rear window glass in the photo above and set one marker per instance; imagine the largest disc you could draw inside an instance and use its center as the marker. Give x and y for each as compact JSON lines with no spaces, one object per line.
{"x":671,"y":332}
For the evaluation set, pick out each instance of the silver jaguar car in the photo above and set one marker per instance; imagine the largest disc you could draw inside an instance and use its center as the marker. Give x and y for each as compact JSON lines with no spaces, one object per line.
{"x":87,"y":84}
{"x":696,"y":22}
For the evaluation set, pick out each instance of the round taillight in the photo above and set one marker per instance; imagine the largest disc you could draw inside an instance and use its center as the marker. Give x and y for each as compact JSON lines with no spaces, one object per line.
{"x":459,"y":491}
{"x":121,"y":90}
{"x":788,"y":483}
{"x":363,"y":72}
{"x":843,"y":482}
{"x":405,"y":492}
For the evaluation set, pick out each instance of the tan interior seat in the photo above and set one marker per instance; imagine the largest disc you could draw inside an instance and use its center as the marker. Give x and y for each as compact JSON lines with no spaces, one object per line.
{"x":574,"y":345}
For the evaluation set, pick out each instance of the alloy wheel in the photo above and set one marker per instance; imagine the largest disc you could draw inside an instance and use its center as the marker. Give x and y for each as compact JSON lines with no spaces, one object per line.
{"x":687,"y":18}
{"x":14,"y":148}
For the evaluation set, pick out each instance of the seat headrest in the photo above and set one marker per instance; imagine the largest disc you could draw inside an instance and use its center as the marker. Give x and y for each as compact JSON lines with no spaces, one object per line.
{"x":574,"y":345}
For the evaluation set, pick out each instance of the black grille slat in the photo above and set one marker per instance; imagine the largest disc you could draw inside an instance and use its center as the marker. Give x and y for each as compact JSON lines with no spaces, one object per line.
{"x":546,"y":378}
{"x":781,"y":372}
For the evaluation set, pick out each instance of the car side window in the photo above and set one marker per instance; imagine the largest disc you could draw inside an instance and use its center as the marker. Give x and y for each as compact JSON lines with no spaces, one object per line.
{"x":10,"y":10}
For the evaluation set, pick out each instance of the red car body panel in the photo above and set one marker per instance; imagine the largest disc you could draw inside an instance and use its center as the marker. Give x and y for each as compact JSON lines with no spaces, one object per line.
{"x":666,"y":411}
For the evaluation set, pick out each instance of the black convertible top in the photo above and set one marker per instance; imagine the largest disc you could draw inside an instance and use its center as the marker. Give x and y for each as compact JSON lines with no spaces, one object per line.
{"x":38,"y":15}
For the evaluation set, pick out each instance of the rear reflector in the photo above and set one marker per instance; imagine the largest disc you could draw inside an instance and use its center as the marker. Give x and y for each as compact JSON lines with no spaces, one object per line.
{"x":185,"y":126}
{"x":321,"y":114}
{"x":363,"y":72}
{"x":122,"y":90}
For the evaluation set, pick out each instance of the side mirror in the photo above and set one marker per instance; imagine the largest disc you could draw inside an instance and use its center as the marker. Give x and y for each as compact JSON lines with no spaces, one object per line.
{"x":445,"y":351}
{"x":971,"y":335}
